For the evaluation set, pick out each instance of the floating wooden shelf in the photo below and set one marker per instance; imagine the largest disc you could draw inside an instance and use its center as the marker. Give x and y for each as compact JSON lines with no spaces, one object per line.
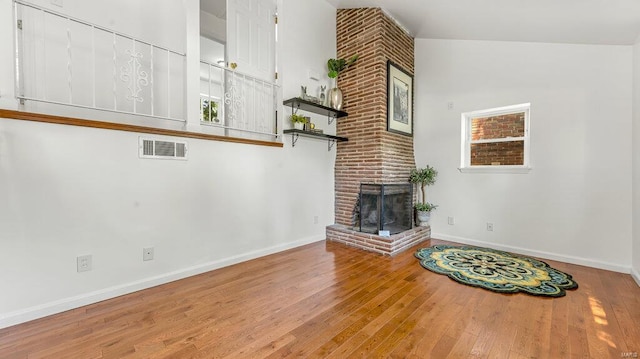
{"x":297,"y":103}
{"x":331,"y":140}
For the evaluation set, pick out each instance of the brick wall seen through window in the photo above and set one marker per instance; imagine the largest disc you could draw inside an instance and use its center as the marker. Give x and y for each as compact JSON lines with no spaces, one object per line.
{"x":496,"y":138}
{"x":498,"y":153}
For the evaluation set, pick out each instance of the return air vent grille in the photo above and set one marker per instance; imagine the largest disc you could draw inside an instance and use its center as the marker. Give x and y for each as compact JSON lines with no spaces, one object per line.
{"x":150,"y":148}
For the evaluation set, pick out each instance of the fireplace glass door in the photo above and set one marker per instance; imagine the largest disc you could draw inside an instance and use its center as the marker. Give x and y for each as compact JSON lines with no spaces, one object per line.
{"x":386,"y":207}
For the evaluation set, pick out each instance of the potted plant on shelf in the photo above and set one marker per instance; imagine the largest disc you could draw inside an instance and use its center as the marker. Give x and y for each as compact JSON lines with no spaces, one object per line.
{"x":424,"y":177}
{"x":336,"y":66}
{"x":298,"y":121}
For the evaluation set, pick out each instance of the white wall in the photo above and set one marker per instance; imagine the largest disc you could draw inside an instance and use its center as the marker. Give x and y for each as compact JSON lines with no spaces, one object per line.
{"x":144,"y":19}
{"x":575,"y":205}
{"x":213,"y":27}
{"x":7,"y":90}
{"x":301,"y":27}
{"x":67,"y":191}
{"x":636,"y":163}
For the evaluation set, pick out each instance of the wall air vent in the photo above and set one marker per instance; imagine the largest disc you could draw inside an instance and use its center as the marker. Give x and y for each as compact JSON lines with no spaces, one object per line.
{"x":149,"y":148}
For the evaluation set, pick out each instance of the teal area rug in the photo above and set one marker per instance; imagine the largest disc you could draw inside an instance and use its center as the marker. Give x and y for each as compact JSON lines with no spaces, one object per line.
{"x":496,"y":270}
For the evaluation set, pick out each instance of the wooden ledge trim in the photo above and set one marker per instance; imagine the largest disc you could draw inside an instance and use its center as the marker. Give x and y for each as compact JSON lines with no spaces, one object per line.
{"x":38,"y":117}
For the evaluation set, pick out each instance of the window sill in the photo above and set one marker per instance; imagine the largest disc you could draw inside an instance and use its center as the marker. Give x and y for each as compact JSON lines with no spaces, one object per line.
{"x":496,"y":169}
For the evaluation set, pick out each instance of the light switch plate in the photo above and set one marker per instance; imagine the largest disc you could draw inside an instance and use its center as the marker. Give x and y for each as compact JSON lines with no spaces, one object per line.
{"x":84,"y":263}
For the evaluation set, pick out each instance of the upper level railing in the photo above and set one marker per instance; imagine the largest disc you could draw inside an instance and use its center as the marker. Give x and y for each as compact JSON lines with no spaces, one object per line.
{"x":68,"y":61}
{"x":232,"y":100}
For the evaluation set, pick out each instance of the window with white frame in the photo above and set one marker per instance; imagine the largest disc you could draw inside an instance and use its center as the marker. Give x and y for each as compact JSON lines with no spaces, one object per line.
{"x":210,"y":109}
{"x":496,"y":140}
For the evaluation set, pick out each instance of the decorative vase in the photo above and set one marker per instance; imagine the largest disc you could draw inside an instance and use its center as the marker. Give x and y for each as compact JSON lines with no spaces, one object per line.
{"x":335,"y":98}
{"x":423,"y":218}
{"x":298,"y":125}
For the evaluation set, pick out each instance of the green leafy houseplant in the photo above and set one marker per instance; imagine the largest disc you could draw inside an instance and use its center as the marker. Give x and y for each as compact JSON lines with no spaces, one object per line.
{"x":424,"y":177}
{"x":335,"y":66}
{"x":297,"y":118}
{"x":425,"y":207}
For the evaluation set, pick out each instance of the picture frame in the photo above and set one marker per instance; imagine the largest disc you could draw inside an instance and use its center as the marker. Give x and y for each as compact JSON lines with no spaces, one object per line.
{"x":399,"y":100}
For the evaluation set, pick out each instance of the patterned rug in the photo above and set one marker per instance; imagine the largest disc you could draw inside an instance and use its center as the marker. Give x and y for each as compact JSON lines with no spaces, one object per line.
{"x":496,"y":270}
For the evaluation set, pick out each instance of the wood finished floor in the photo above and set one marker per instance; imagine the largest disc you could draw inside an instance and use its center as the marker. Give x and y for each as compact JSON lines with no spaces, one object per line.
{"x":326,"y":300}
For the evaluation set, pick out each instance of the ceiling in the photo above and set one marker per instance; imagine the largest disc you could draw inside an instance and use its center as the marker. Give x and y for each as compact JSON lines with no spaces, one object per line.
{"x":217,"y":8}
{"x":606,"y":22}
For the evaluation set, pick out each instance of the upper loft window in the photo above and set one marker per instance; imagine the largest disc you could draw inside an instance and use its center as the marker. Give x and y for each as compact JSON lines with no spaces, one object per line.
{"x":496,"y":140}
{"x":209,"y":109}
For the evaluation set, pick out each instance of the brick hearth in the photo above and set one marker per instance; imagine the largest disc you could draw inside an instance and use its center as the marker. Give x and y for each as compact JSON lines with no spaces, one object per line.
{"x":372,"y":154}
{"x":374,"y":243}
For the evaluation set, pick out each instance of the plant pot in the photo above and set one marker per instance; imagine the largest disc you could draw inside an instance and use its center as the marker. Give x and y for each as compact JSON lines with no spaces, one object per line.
{"x":298,"y":125}
{"x":422,"y":218}
{"x":335,"y":98}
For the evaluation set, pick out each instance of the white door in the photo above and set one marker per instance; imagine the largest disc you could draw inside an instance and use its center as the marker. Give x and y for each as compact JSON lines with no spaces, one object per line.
{"x":251,"y":37}
{"x":250,"y":100}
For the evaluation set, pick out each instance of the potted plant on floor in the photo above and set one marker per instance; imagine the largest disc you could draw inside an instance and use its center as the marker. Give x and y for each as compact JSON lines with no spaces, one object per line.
{"x":423,"y":212}
{"x":424,"y":177}
{"x":335,"y":66}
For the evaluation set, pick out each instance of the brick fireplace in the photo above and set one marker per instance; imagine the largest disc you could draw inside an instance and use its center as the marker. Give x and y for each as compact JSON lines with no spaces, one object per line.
{"x":372,"y":154}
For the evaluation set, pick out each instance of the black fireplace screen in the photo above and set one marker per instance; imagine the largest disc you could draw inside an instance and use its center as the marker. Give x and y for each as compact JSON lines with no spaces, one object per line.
{"x":386,"y":207}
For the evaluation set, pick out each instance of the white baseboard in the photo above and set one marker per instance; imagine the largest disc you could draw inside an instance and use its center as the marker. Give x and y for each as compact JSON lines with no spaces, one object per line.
{"x":59,"y":306}
{"x":540,"y":254}
{"x":635,"y":275}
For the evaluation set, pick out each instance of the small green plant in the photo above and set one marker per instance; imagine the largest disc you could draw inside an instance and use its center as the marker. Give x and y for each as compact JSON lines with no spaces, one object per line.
{"x":335,"y":66}
{"x":424,"y":177}
{"x":425,"y":207}
{"x":297,"y":118}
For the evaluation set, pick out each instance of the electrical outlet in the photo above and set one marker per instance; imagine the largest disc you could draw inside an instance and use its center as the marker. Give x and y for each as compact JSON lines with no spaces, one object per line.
{"x":451,"y":221}
{"x":489,"y":227}
{"x":450,"y":106}
{"x":315,"y":219}
{"x":84,"y":263}
{"x":147,"y":254}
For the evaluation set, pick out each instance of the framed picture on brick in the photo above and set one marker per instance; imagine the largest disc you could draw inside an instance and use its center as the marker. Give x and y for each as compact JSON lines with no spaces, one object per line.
{"x":399,"y":100}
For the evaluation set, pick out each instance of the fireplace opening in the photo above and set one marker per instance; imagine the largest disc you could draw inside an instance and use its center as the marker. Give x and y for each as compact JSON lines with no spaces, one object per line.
{"x":385,"y":207}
